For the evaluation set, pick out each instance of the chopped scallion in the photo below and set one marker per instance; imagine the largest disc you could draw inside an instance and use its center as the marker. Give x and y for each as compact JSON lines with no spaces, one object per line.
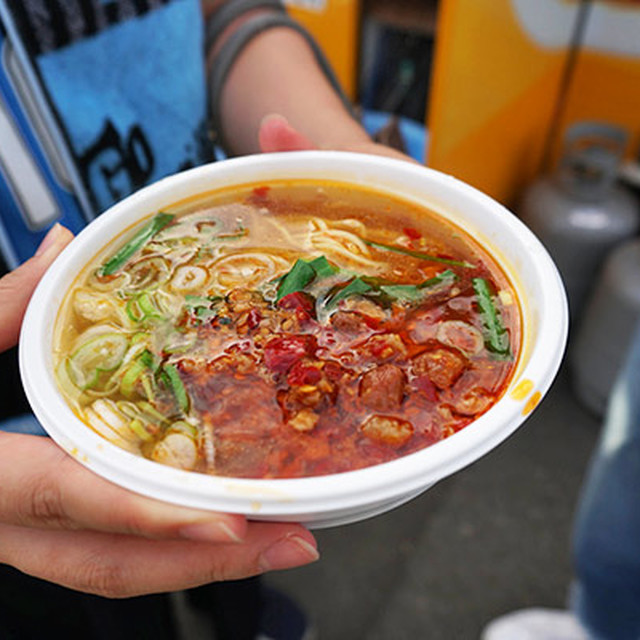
{"x":495,"y":335}
{"x":176,"y":386}
{"x":417,"y":254}
{"x":416,"y":291}
{"x":144,"y":234}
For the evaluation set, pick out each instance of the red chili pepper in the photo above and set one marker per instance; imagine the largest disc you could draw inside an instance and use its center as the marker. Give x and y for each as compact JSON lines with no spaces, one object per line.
{"x":280,"y":354}
{"x":261,"y":192}
{"x":411,"y":233}
{"x":302,"y":373}
{"x":259,"y":196}
{"x":379,"y":345}
{"x":333,"y":370}
{"x":372,"y":323}
{"x":253,"y":319}
{"x":298,"y":301}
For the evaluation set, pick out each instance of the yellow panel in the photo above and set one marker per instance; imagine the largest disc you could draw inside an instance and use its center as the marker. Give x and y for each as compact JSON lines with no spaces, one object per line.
{"x":497,"y":73}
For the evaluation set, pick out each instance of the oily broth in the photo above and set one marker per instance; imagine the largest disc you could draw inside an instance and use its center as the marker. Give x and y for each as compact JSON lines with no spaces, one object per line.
{"x":261,"y":231}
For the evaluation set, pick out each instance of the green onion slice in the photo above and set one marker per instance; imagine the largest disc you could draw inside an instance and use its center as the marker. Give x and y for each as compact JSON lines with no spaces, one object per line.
{"x":177,"y":387}
{"x":139,"y":428}
{"x":151,"y":412}
{"x":149,"y":360}
{"x":142,"y":307}
{"x":100,"y":354}
{"x":183,"y":427}
{"x":143,"y":235}
{"x":131,"y":376}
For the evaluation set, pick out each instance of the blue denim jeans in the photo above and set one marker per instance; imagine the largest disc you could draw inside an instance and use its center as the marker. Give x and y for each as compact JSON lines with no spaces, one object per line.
{"x":606,"y":596}
{"x":25,"y":423}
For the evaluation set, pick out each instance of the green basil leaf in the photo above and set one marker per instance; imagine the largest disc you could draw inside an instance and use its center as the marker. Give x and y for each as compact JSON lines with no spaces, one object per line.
{"x":323,"y":267}
{"x":301,"y":274}
{"x":356,"y":287}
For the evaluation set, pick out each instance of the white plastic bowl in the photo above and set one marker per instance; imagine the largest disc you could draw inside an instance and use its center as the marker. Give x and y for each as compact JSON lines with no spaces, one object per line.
{"x":334,"y":499}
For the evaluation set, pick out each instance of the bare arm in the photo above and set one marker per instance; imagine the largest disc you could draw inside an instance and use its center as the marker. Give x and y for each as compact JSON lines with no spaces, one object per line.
{"x":277,"y":73}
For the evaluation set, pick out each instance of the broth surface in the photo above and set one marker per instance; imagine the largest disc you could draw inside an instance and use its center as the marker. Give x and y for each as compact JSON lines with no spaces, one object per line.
{"x":287,"y":330}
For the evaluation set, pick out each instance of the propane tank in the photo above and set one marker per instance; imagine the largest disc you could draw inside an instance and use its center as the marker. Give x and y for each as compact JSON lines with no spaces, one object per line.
{"x":580,"y":211}
{"x":610,"y":317}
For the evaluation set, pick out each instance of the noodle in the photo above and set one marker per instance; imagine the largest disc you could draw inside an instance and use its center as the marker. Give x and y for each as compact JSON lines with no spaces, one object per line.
{"x":245,"y":269}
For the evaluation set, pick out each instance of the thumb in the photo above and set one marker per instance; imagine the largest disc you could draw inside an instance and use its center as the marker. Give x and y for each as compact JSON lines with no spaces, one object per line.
{"x":276,"y":134}
{"x":17,"y":286}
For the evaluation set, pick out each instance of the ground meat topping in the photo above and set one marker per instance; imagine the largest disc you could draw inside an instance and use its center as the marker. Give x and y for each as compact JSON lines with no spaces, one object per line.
{"x":382,"y":388}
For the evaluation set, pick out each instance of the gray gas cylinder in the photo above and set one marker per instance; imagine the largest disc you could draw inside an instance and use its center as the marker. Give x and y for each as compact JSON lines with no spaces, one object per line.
{"x":607,"y":325}
{"x":580,"y":211}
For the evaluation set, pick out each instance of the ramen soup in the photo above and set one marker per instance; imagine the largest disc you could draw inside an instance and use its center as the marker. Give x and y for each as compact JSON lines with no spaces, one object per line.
{"x":284,"y":330}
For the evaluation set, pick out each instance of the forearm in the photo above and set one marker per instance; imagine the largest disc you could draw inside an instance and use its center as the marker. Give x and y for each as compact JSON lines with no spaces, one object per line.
{"x":277,"y":73}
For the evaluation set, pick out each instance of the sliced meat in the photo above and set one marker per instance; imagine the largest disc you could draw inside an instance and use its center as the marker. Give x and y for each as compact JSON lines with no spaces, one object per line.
{"x":423,"y":325}
{"x":349,"y":322}
{"x":442,"y":366}
{"x":473,"y":402}
{"x":460,"y":335}
{"x":387,"y":430}
{"x":383,"y":388}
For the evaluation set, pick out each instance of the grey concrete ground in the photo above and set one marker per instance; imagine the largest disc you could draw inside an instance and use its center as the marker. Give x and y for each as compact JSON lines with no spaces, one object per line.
{"x":492,"y":538}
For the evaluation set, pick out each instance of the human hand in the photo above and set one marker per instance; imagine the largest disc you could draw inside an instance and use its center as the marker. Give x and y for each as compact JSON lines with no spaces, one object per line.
{"x":276,"y":134}
{"x":62,"y":523}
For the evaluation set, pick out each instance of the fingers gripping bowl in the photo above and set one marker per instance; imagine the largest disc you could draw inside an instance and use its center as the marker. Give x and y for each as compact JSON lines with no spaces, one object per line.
{"x":311,"y":336}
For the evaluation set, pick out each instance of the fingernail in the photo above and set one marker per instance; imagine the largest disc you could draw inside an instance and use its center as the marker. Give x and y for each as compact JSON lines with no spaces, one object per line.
{"x":50,"y":239}
{"x":216,"y":531}
{"x":287,"y":553}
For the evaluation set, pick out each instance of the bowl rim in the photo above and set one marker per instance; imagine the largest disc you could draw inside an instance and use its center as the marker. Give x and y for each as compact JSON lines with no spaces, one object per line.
{"x":288,"y":497}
